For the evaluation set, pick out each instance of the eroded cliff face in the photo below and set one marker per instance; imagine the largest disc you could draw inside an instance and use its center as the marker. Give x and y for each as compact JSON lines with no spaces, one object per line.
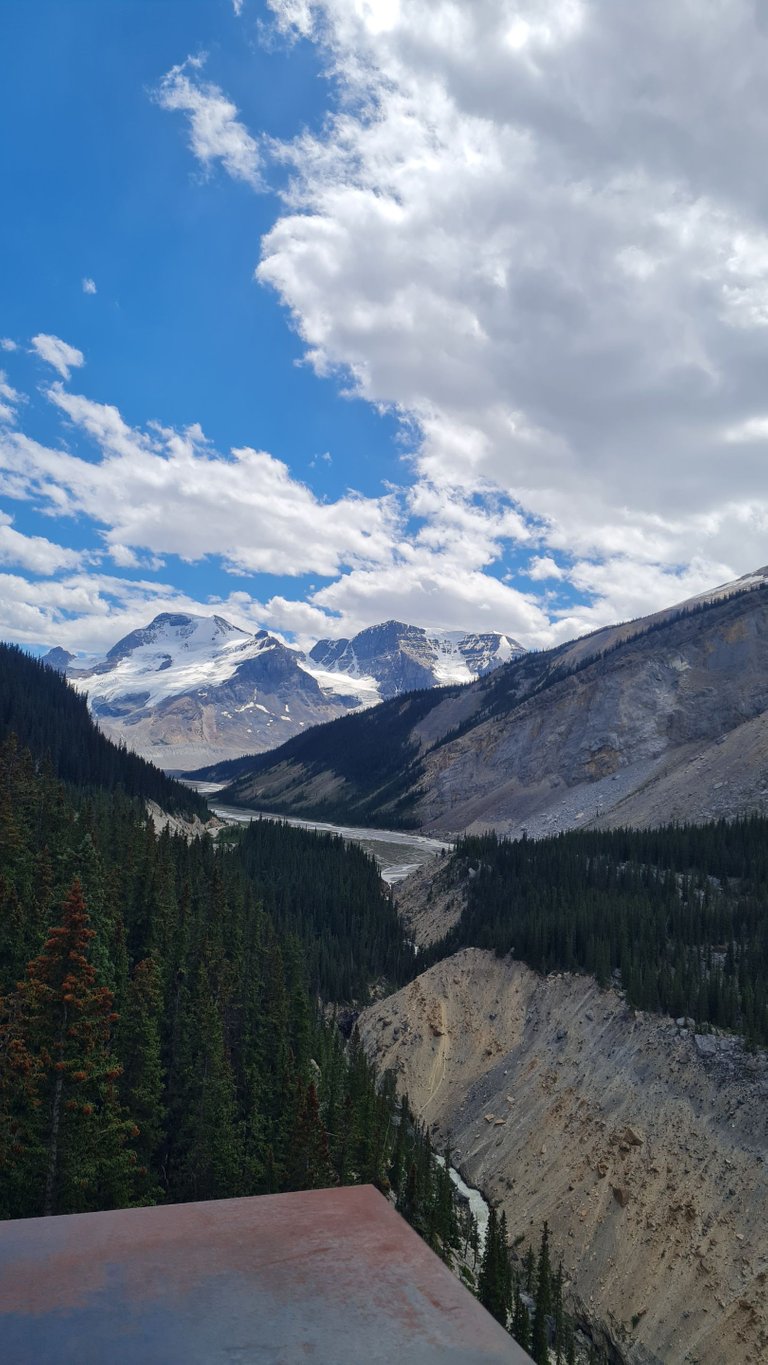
{"x":671,"y":725}
{"x":643,"y":1146}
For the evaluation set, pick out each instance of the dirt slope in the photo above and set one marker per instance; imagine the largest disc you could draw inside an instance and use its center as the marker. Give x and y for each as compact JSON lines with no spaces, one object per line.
{"x":643,"y":1146}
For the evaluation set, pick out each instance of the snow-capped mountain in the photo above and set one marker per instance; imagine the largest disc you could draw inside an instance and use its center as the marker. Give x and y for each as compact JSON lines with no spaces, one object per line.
{"x":188,"y":690}
{"x":399,"y":658}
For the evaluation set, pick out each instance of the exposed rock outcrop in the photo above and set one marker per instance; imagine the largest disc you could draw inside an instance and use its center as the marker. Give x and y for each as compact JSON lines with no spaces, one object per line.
{"x":644,"y":1146}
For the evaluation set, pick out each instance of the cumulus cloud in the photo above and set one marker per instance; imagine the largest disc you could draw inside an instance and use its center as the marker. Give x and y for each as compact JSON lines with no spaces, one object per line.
{"x":89,"y":285}
{"x":168,"y":492}
{"x":539,"y":231}
{"x":7,"y":344}
{"x":87,"y":611}
{"x":63,"y":357}
{"x":33,"y":553}
{"x":544,"y":567}
{"x":215,"y":132}
{"x":430,"y":590}
{"x":153,"y":492}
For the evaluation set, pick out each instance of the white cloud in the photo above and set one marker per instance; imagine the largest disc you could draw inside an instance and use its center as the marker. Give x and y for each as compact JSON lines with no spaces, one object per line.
{"x":34,"y":553}
{"x":9,"y":399}
{"x":527,"y":235}
{"x":169,"y":492}
{"x":57,"y":353}
{"x":89,"y":285}
{"x":429,"y":590}
{"x":215,"y":132}
{"x":544,"y":567}
{"x":237,"y":6}
{"x":6,"y":344}
{"x":84,"y":611}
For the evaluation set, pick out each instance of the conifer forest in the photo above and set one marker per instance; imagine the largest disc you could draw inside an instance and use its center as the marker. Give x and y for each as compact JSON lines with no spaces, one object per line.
{"x":169,"y":1008}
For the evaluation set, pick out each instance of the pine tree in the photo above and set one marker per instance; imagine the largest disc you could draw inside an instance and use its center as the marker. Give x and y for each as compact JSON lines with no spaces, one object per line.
{"x":142,"y":1083}
{"x":56,"y":1035}
{"x":521,"y":1321}
{"x":543,"y":1305}
{"x":206,"y":1160}
{"x":529,"y":1270}
{"x":559,"y":1315}
{"x":492,"y":1290}
{"x":311,"y":1167}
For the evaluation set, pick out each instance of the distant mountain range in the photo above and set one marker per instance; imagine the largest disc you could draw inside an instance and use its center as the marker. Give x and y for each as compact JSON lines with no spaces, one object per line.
{"x":189,"y":690}
{"x":656,"y":720}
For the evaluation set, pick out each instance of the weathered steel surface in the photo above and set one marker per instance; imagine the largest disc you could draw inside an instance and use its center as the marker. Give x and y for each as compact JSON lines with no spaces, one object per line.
{"x":327,"y":1277}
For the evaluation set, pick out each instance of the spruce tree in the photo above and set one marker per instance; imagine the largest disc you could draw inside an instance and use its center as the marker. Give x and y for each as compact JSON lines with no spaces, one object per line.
{"x":142,"y":1083}
{"x":543,"y":1304}
{"x":493,"y":1291}
{"x":521,"y":1321}
{"x":56,"y":1036}
{"x":310,"y":1166}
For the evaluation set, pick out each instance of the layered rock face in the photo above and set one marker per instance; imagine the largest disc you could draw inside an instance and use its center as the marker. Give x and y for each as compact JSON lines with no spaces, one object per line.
{"x":643,"y":1146}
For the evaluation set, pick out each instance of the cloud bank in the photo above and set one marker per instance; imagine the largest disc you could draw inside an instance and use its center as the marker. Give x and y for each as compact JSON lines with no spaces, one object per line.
{"x":539,"y":230}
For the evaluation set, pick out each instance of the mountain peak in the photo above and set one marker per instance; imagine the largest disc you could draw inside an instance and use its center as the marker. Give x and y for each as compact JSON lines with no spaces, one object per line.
{"x":58,"y":659}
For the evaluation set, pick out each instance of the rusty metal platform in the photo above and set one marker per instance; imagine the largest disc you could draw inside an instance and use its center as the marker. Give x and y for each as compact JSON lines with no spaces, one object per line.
{"x":326,"y":1277}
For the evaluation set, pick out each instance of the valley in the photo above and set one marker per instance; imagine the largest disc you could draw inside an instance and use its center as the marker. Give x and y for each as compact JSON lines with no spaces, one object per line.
{"x":397,"y":855}
{"x":576,"y":1014}
{"x":659,"y":720}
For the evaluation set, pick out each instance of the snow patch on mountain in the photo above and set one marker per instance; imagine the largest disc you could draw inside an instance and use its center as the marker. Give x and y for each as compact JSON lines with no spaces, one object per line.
{"x":187,"y":690}
{"x":174,"y":654}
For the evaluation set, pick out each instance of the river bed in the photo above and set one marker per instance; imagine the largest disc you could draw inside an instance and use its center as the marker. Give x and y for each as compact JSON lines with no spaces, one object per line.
{"x":477,"y":1204}
{"x":397,"y":852}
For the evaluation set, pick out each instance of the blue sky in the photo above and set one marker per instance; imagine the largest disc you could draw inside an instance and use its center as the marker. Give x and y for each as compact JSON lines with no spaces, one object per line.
{"x":502,"y":364}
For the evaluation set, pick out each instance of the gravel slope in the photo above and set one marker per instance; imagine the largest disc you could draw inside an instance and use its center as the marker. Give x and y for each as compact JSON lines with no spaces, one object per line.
{"x":643,"y":1146}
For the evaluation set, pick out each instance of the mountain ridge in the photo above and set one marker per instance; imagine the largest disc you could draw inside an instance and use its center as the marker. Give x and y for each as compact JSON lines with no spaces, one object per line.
{"x":188,"y":689}
{"x":611,"y":726}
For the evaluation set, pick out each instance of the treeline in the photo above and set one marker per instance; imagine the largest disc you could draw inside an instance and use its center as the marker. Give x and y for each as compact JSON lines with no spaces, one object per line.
{"x":528,"y":1298}
{"x":50,"y":718}
{"x":159,"y":1030}
{"x":680,"y":912}
{"x":328,"y":895}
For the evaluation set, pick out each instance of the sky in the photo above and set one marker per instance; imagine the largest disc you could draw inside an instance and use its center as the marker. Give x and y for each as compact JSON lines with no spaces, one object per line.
{"x":315,"y":313}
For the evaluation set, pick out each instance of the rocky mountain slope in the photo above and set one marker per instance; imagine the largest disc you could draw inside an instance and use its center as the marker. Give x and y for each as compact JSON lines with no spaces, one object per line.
{"x":187,"y":689}
{"x":192,"y":690}
{"x":660,"y":719}
{"x":643,"y":1145}
{"x":403,"y":658}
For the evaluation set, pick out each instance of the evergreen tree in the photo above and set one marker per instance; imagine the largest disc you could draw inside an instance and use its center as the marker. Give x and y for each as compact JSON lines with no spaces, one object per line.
{"x":543,"y":1306}
{"x":493,"y":1284}
{"x":521,"y":1321}
{"x":310,"y":1165}
{"x":142,"y":1083}
{"x":559,"y":1316}
{"x":56,"y":1038}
